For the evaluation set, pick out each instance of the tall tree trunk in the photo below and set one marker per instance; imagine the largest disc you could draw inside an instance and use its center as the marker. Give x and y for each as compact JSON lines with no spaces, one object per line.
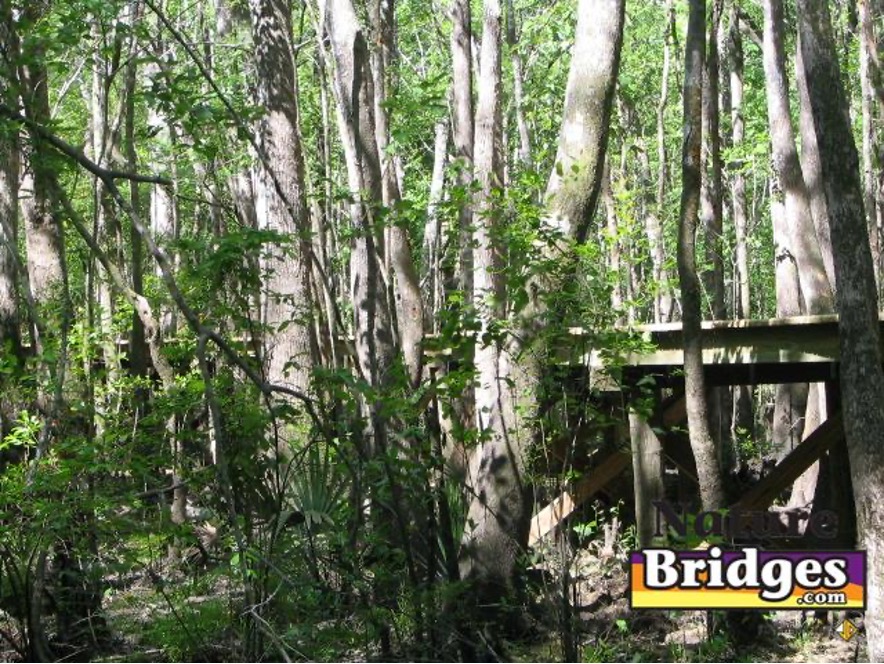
{"x":10,"y":336}
{"x":862,"y":379}
{"x":810,"y":169}
{"x":791,"y":398}
{"x":406,"y":291}
{"x":290,"y":344}
{"x":501,"y":502}
{"x":743,"y":407}
{"x":494,"y":519}
{"x":524,"y":152}
{"x":702,"y":444}
{"x":43,"y":237}
{"x":868,"y":70}
{"x":463,"y":132}
{"x":654,"y":222}
{"x":711,"y":192}
{"x":433,"y":231}
{"x":803,"y":244}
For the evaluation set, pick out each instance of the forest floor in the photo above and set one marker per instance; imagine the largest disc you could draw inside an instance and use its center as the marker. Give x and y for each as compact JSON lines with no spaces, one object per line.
{"x":189,"y":620}
{"x":609,"y":631}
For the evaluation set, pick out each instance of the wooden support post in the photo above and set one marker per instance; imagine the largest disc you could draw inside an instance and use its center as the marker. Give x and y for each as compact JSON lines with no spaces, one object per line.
{"x":647,"y":470}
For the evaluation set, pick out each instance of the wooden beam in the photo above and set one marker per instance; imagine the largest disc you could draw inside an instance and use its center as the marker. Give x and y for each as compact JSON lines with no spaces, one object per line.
{"x":762,"y":495}
{"x":546,"y":520}
{"x":647,"y":472}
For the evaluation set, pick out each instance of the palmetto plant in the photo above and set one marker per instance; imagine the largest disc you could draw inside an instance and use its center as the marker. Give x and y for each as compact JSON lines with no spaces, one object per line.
{"x":317,"y":488}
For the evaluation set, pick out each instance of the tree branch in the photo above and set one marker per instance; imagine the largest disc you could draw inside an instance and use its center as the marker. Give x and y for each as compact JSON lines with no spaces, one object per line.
{"x":105,"y":174}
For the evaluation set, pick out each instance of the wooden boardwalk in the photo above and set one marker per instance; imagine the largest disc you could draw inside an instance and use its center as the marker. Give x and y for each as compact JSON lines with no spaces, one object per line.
{"x":742,"y":352}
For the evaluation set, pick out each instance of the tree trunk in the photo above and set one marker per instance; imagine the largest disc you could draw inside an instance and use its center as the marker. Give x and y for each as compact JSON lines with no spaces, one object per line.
{"x":463,"y":133}
{"x":711,"y":192}
{"x":290,"y":344}
{"x":10,"y":337}
{"x":743,"y":406}
{"x":489,"y":549}
{"x":862,"y":379}
{"x":791,"y":398}
{"x":702,"y":444}
{"x":43,"y":237}
{"x":406,"y":291}
{"x":868,"y":70}
{"x":512,"y":41}
{"x":803,"y":244}
{"x":654,"y":222}
{"x":501,"y":502}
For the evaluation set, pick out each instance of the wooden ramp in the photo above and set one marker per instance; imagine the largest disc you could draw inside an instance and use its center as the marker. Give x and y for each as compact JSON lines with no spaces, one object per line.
{"x":552,"y":515}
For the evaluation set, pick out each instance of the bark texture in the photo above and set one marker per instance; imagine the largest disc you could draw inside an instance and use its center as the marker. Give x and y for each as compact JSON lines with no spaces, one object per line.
{"x":501,"y":508}
{"x":862,"y":379}
{"x":290,"y":344}
{"x":803,"y":244}
{"x":702,"y":444}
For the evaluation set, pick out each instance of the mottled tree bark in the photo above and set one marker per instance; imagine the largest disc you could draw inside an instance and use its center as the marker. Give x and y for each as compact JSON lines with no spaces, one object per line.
{"x":290,"y":344}
{"x":43,"y":237}
{"x":663,"y":300}
{"x":743,"y":406}
{"x":705,"y":453}
{"x":791,"y":398}
{"x":862,"y":379}
{"x":869,"y":76}
{"x":462,"y":134}
{"x":406,"y":291}
{"x":803,"y":244}
{"x":711,"y":191}
{"x":501,"y":498}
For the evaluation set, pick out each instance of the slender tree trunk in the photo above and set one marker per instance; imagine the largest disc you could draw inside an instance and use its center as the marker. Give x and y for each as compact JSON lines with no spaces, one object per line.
{"x":803,"y":244}
{"x":742,"y":301}
{"x":10,"y":336}
{"x":743,"y":406}
{"x":434,"y":288}
{"x":702,"y":444}
{"x":406,"y":291}
{"x":862,"y":379}
{"x":524,"y":152}
{"x":663,"y":300}
{"x":499,"y":515}
{"x":711,"y":192}
{"x":138,"y":344}
{"x":463,"y":133}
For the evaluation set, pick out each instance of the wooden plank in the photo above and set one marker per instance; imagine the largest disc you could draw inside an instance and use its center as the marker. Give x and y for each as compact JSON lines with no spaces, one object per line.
{"x":546,"y":520}
{"x":794,"y":340}
{"x":762,"y":495}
